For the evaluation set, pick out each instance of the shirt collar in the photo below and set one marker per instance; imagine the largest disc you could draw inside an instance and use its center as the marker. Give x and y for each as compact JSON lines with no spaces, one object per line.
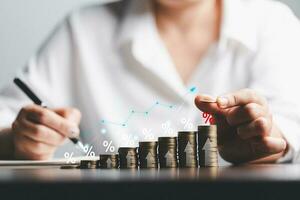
{"x":135,"y":16}
{"x":138,"y":35}
{"x":238,"y":24}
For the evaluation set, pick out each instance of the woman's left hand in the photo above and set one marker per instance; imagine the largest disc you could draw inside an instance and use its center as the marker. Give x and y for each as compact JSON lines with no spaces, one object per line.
{"x":246,"y":131}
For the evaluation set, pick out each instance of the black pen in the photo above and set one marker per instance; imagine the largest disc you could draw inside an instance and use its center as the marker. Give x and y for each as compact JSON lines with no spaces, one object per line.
{"x":39,"y":102}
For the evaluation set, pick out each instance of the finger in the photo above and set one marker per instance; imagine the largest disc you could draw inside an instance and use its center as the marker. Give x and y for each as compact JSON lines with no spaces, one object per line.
{"x":211,"y":108}
{"x":38,"y":133}
{"x":30,"y":149}
{"x":243,"y":114}
{"x":71,"y":114}
{"x":52,"y":120}
{"x":268,"y":145}
{"x":207,"y":98}
{"x":260,"y":127}
{"x":241,"y":97}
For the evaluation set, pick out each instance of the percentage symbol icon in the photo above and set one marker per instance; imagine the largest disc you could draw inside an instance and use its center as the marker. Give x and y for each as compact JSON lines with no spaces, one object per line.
{"x":148,"y":135}
{"x":88,"y":151}
{"x":167,"y":128}
{"x":187,"y":123}
{"x":109,"y":146}
{"x":69,"y":158}
{"x":208,"y":118}
{"x":129,"y":139}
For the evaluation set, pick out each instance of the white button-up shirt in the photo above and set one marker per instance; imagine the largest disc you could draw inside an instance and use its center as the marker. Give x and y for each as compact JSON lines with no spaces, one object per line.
{"x":110,"y":62}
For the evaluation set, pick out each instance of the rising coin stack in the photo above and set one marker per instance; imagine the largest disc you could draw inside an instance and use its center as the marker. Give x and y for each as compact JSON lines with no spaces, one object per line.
{"x":108,"y":161}
{"x":148,"y":154}
{"x":207,"y":146}
{"x":167,"y":150}
{"x":88,"y":164}
{"x":128,"y":157}
{"x":187,"y":149}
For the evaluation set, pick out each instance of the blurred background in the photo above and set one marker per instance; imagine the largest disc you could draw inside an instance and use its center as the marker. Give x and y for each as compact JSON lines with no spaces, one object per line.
{"x":25,"y":24}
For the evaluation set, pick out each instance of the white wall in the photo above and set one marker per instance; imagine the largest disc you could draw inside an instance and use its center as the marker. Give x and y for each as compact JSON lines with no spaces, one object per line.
{"x":24,"y":24}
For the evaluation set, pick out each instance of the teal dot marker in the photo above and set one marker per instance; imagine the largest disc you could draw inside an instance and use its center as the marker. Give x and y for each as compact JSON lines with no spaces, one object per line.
{"x":103,"y":131}
{"x":103,"y":121}
{"x":193,"y":89}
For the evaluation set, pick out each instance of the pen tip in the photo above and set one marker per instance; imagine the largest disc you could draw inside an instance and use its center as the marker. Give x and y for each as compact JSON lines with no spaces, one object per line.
{"x":81,"y":146}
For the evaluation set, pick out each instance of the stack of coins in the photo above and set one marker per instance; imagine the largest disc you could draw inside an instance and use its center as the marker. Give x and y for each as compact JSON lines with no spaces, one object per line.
{"x":128,"y":157}
{"x":148,"y":154}
{"x":187,"y":149}
{"x":208,"y":146}
{"x":167,"y":150}
{"x":108,"y":161}
{"x":88,"y":164}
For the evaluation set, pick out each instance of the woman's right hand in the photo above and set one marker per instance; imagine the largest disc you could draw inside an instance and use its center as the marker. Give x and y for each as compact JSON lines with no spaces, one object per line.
{"x":38,"y":131}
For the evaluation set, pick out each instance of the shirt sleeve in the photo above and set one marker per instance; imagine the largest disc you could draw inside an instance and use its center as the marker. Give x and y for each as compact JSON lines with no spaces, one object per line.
{"x":275,"y":73}
{"x":47,"y":73}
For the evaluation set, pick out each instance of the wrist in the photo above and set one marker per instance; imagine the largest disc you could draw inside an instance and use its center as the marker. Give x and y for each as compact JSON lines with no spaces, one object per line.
{"x":6,"y":144}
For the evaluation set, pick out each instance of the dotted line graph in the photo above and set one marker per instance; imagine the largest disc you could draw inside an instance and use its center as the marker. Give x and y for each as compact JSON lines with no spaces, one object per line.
{"x":145,"y":113}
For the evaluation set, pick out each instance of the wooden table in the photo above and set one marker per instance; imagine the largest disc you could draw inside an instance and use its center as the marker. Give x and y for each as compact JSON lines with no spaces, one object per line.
{"x":243,"y":182}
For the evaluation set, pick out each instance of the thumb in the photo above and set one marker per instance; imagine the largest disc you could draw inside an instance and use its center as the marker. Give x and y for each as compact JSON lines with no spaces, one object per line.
{"x":207,"y":106}
{"x":71,"y":114}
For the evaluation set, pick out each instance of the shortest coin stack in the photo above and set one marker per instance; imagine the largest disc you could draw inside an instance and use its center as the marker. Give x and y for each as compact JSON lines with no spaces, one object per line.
{"x":207,"y":146}
{"x":128,"y":158}
{"x":148,"y":154}
{"x":167,"y":150}
{"x":108,"y":161}
{"x":88,"y":164}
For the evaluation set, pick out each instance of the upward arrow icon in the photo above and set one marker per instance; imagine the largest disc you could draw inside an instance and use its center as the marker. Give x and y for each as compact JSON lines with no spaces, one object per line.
{"x":168,"y":158}
{"x":188,"y":148}
{"x":108,"y":163}
{"x":128,"y":158}
{"x":188,"y":154}
{"x":150,"y":159}
{"x":207,"y":148}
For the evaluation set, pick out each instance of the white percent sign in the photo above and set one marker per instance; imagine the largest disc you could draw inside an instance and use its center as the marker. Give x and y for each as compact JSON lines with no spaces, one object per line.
{"x":109,"y":146}
{"x":88,"y":151}
{"x":69,"y":157}
{"x":167,"y":128}
{"x":187,"y":124}
{"x":148,"y":135}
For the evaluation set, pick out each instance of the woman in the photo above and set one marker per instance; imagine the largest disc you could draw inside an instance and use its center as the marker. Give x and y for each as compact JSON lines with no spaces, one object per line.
{"x":105,"y":61}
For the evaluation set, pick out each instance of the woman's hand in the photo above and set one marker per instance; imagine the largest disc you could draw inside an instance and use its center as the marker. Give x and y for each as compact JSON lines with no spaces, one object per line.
{"x":246,"y":132}
{"x":38,"y":131}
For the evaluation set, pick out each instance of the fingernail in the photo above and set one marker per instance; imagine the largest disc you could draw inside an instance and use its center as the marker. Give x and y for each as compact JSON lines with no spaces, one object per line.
{"x":74,"y":131}
{"x":207,"y":98}
{"x":222,"y":101}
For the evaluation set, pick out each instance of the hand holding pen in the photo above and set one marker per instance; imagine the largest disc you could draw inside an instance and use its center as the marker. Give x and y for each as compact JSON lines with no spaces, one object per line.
{"x":38,"y":130}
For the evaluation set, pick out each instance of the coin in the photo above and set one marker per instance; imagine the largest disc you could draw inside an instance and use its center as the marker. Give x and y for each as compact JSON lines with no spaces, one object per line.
{"x":207,"y":98}
{"x":148,"y":155}
{"x":207,"y":146}
{"x":108,"y":161}
{"x":167,"y":150}
{"x":187,"y":149}
{"x":128,"y":158}
{"x":69,"y":167}
{"x":88,"y":164}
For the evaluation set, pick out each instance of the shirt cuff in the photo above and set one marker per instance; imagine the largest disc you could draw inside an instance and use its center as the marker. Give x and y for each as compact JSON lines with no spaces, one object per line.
{"x":289,"y":130}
